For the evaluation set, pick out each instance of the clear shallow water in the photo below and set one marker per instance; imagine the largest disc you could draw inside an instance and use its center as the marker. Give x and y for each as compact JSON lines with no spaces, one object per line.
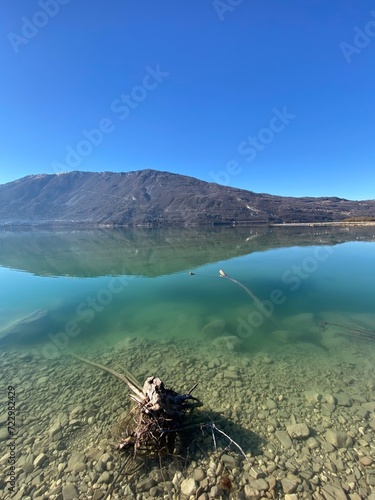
{"x":104,"y":286}
{"x":128,"y":299}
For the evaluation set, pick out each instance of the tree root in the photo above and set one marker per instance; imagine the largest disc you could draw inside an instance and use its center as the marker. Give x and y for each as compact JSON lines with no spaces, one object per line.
{"x":159,"y":415}
{"x":160,"y":422}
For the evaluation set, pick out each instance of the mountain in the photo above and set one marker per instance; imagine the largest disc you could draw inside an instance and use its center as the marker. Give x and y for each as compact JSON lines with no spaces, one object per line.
{"x":150,"y":197}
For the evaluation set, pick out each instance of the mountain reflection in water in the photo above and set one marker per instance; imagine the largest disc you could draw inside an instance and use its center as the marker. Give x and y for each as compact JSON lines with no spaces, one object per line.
{"x":153,"y":252}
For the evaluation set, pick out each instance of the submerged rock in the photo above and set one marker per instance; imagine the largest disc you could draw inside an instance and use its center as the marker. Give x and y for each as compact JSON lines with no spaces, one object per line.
{"x":40,"y":460}
{"x":333,"y":491}
{"x":231,"y":375}
{"x":343,"y":399}
{"x":289,"y":485}
{"x":338,"y":439}
{"x":284,"y":439}
{"x":146,"y":484}
{"x":189,"y":487}
{"x":69,"y":492}
{"x":214,"y":328}
{"x":298,"y":430}
{"x":26,"y":328}
{"x":313,"y":397}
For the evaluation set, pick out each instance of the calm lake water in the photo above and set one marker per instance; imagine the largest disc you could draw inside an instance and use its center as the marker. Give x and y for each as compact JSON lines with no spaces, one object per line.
{"x":105,"y":285}
{"x":277,"y":325}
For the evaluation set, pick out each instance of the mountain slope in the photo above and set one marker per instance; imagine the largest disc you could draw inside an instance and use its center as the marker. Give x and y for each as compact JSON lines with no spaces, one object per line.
{"x":150,"y":197}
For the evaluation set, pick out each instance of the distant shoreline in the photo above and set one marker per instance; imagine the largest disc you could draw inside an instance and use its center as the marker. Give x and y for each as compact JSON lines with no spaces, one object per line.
{"x":94,"y":225}
{"x":335,"y":223}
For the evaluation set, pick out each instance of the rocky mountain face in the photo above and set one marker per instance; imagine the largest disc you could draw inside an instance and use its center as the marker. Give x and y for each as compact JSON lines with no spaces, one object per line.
{"x":154,"y":198}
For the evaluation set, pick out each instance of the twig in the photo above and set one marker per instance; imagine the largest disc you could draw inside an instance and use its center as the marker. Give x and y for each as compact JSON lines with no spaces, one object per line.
{"x":194,"y":387}
{"x":258,"y":302}
{"x":230,"y":439}
{"x":213,"y":437}
{"x":213,"y":427}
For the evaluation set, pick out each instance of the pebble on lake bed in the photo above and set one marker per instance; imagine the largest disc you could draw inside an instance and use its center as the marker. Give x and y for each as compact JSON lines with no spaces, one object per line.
{"x":338,"y":439}
{"x":189,"y":487}
{"x":298,"y":430}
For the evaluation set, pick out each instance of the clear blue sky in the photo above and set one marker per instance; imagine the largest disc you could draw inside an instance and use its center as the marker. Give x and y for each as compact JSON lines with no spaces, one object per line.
{"x":272,"y":96}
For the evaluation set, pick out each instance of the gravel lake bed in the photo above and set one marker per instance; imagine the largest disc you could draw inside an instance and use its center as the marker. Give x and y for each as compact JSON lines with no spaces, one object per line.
{"x":305,"y":423}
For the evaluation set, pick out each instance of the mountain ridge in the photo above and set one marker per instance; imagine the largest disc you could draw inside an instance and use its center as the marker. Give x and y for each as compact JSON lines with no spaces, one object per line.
{"x":158,"y":198}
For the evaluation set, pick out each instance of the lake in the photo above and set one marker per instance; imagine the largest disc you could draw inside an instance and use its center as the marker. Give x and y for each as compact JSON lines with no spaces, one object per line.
{"x":277,"y":324}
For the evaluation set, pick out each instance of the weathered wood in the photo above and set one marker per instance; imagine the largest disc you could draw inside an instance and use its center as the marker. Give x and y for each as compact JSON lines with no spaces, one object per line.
{"x":160,"y":414}
{"x":350,"y":330}
{"x":128,"y":380}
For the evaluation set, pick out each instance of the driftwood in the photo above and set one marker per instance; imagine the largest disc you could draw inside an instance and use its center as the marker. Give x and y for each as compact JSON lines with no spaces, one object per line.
{"x":260,"y":305}
{"x":159,"y":416}
{"x":158,"y":422}
{"x":360,"y":333}
{"x":247,"y":290}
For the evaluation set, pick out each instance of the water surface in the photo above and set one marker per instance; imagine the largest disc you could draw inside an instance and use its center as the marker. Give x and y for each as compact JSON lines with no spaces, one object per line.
{"x":107,"y":285}
{"x":294,"y":312}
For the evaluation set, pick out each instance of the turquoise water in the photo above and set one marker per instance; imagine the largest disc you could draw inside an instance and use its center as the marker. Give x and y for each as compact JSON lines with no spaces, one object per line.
{"x":105,"y":286}
{"x":283,"y":325}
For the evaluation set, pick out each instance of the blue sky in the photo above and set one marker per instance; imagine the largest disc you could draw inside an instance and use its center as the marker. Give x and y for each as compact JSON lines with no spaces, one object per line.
{"x":267,"y":95}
